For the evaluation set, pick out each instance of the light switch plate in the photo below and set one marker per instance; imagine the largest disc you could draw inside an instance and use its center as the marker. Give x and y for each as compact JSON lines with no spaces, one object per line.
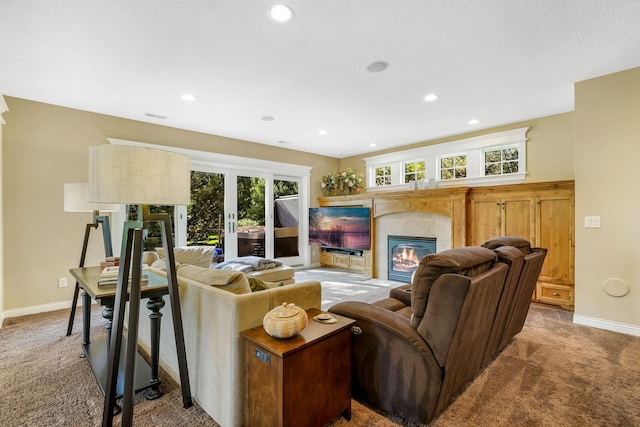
{"x":592,"y":222}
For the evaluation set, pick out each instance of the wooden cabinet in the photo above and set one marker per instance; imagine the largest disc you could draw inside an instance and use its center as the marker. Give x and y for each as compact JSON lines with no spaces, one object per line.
{"x":299,"y":381}
{"x":500,"y":215}
{"x":555,"y":231}
{"x":541,"y":213}
{"x":345,"y":261}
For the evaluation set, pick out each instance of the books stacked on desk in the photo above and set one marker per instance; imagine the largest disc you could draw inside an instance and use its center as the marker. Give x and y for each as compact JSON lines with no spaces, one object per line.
{"x":109,"y":276}
{"x":110,"y":261}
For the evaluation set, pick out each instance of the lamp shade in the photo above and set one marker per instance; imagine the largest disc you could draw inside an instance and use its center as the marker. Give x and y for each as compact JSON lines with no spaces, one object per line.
{"x":137,"y":175}
{"x":76,"y":199}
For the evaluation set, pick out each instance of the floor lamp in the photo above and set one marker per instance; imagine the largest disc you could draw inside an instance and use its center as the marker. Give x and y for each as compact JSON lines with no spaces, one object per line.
{"x":139,"y":176}
{"x":76,"y":199}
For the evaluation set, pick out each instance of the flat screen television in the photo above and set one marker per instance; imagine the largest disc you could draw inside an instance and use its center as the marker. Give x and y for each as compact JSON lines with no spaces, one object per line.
{"x":342,"y":228}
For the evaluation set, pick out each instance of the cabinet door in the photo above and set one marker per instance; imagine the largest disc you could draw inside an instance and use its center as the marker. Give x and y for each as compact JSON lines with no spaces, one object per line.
{"x":326,"y":258}
{"x":555,"y":233}
{"x":518,"y":216}
{"x":485,"y":220}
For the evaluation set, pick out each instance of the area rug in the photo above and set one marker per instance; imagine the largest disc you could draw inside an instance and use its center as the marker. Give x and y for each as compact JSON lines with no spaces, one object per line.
{"x":344,"y":285}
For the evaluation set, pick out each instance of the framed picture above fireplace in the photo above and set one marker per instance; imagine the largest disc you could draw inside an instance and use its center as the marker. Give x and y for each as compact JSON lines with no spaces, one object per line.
{"x":347,"y":228}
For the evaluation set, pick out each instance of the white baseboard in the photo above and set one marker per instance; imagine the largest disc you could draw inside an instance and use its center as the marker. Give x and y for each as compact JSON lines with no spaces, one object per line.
{"x":608,"y":325}
{"x":34,"y":309}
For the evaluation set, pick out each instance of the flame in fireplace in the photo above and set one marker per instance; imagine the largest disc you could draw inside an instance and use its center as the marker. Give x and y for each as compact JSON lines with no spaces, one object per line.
{"x":405,"y":259}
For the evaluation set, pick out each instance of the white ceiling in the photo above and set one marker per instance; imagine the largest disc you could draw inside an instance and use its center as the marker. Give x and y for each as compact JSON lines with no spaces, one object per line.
{"x":500,"y":61}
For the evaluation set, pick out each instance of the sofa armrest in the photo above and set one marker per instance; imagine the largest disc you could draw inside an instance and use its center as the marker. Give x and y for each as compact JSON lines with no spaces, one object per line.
{"x":389,"y":351}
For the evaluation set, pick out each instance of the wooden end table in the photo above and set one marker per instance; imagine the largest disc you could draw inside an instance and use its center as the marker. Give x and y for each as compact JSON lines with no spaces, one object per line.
{"x":96,"y":352}
{"x":299,"y":381}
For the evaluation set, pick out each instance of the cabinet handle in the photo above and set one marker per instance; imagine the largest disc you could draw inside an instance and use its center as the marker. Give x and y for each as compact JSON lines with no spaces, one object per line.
{"x":555,"y":294}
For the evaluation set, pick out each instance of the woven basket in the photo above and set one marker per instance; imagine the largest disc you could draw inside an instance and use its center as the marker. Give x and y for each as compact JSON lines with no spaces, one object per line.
{"x":284,"y":321}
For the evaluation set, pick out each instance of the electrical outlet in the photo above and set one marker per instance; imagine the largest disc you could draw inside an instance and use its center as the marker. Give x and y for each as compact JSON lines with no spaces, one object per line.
{"x":62,"y":282}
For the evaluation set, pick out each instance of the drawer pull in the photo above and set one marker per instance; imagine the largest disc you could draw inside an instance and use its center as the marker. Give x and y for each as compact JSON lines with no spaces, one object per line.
{"x":555,"y":294}
{"x":356,"y":330}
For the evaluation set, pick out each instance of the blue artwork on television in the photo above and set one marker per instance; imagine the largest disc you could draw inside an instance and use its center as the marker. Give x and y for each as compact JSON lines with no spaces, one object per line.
{"x":337,"y":227}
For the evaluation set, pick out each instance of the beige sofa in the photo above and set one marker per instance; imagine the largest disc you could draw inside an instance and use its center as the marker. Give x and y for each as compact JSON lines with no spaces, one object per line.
{"x":212,"y":320}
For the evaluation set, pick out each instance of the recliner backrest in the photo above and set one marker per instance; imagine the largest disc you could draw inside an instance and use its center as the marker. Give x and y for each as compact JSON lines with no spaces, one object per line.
{"x":468,"y":343}
{"x":533,"y":261}
{"x":514,"y":258}
{"x":466,"y":261}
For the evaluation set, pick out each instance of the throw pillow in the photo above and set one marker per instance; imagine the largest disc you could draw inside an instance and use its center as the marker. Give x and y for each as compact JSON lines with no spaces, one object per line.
{"x":260,"y":285}
{"x":226,"y":280}
{"x":201,"y":256}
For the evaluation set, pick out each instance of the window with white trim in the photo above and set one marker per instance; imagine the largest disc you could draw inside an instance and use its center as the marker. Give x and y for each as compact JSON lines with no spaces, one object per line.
{"x":383,"y":176}
{"x":493,"y":159}
{"x":453,"y":167}
{"x":413,"y":171}
{"x":501,"y":160}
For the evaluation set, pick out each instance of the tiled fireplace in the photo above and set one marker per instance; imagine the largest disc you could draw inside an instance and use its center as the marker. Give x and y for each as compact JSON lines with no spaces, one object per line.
{"x":414,"y":224}
{"x":404,"y":255}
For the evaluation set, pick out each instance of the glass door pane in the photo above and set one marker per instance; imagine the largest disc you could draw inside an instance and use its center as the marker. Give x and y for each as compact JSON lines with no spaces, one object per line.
{"x":286,"y":212}
{"x":251,"y":215}
{"x":153,"y":230}
{"x":205,"y":213}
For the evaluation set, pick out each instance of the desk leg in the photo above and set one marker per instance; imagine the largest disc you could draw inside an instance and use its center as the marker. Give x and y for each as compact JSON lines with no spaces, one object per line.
{"x":86,"y":317}
{"x":155,"y":305}
{"x":72,"y":314}
{"x":107,"y":313}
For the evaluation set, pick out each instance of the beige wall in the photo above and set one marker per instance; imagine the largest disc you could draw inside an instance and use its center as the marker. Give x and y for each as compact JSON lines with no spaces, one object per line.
{"x":549,"y":147}
{"x":2,"y":110}
{"x":607,"y":155}
{"x":46,"y":146}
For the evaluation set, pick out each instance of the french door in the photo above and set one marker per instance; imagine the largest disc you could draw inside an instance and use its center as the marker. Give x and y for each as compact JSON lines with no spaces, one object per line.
{"x":235,"y":210}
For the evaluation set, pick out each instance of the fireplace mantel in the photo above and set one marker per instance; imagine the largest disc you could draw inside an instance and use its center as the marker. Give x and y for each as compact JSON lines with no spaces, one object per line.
{"x":450,"y":202}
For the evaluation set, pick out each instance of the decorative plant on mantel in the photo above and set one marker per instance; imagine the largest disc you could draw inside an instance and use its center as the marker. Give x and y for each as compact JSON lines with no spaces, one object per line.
{"x":340,"y":182}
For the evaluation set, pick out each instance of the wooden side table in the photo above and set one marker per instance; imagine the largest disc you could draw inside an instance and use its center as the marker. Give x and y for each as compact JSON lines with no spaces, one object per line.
{"x":146,"y":377}
{"x":299,"y":381}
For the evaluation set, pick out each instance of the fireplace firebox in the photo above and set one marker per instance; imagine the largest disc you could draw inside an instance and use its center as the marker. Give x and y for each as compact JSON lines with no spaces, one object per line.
{"x":405,"y":253}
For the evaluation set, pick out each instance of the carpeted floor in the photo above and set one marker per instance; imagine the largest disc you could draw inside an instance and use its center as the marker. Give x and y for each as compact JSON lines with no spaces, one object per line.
{"x":554,"y":373}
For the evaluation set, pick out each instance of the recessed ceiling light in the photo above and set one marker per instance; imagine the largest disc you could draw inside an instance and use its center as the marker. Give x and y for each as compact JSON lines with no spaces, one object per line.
{"x":267,"y":118}
{"x":431,"y":97}
{"x":373,"y":144}
{"x":188,"y":97}
{"x":281,"y":13}
{"x":474,"y":121}
{"x":378,"y":66}
{"x":322,"y":132}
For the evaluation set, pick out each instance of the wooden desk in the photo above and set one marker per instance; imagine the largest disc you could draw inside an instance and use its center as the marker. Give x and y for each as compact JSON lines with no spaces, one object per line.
{"x":304,"y":380}
{"x":97,"y":351}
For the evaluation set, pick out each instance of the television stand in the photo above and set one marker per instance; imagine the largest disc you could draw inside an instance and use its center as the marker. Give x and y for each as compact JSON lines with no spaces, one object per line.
{"x":347,"y":260}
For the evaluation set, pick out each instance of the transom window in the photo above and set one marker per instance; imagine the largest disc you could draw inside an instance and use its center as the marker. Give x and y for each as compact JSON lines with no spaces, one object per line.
{"x":501,"y":161}
{"x":383,"y":176}
{"x":453,"y":167}
{"x":493,"y":159}
{"x":413,"y":171}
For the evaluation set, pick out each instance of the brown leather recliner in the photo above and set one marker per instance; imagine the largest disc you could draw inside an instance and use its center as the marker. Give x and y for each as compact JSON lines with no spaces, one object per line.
{"x":413,"y":359}
{"x":514,"y":306}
